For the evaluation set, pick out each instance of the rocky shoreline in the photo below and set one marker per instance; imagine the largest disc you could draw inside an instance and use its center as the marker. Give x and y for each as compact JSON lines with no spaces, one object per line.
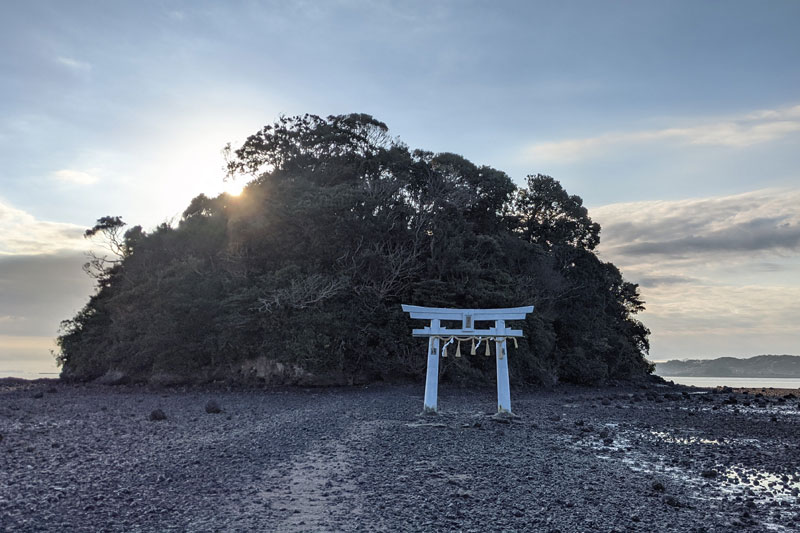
{"x":628,"y":458}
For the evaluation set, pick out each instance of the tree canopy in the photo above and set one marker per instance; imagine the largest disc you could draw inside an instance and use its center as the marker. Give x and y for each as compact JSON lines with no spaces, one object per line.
{"x":306,"y":269}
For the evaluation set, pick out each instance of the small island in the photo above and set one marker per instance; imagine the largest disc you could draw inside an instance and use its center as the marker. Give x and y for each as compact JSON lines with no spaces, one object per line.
{"x":761,"y":366}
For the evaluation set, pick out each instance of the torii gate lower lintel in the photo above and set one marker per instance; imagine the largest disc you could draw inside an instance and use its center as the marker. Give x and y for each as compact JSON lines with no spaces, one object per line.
{"x":468,"y":317}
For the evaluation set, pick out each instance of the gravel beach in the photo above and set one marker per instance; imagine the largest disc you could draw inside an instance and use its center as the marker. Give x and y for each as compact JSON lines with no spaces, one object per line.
{"x":645,"y":458}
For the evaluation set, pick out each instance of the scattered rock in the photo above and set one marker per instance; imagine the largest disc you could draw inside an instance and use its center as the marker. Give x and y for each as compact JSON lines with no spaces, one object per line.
{"x":38,"y":394}
{"x":657,"y":486}
{"x":731,"y":400}
{"x":113,"y":377}
{"x":710,"y":473}
{"x":157,"y":415}
{"x":212,"y":407}
{"x":672,"y":501}
{"x":504,"y":417}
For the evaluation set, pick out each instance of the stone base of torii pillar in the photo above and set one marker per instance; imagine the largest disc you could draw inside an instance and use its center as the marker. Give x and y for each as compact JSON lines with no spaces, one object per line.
{"x":468,"y":317}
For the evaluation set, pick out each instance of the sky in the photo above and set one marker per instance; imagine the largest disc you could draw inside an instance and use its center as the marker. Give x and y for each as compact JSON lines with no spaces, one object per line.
{"x":678,"y":123}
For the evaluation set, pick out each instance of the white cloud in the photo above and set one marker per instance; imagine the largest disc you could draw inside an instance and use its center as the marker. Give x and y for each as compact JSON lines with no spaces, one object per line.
{"x":723,"y":309}
{"x":75,"y":177}
{"x":741,"y":131}
{"x":763,"y":221}
{"x":74,"y":64}
{"x":23,"y":234}
{"x":720,"y":275}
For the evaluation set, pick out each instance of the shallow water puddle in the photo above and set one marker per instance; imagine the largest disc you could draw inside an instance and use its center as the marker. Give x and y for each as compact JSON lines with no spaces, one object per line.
{"x":777,"y":491}
{"x":780,"y":487}
{"x":689,"y":439}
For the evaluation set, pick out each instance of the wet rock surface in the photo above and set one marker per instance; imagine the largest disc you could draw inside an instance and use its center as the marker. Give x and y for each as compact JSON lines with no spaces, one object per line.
{"x":365,"y":459}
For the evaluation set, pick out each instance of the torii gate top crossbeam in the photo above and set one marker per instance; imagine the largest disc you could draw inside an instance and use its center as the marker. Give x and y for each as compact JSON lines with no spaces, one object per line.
{"x":467,"y":317}
{"x":510,"y":313}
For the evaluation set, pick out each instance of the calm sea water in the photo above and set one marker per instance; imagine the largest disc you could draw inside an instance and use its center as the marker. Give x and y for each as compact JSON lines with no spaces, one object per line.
{"x":756,"y":383}
{"x":27,"y":375}
{"x":777,"y":383}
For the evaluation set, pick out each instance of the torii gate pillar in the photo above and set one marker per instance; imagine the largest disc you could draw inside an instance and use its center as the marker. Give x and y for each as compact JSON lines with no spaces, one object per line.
{"x":468,"y":317}
{"x":503,"y":387}
{"x":432,"y":376}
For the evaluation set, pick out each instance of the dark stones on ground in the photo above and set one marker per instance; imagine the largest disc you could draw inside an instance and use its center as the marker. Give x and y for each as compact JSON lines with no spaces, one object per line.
{"x":113,"y":377}
{"x":157,"y":415}
{"x":710,"y":473}
{"x":310,"y":460}
{"x":672,"y":501}
{"x":212,"y":407}
{"x":38,"y":394}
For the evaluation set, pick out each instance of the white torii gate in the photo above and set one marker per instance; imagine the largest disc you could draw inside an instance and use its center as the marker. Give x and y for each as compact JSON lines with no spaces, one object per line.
{"x":468,"y":317}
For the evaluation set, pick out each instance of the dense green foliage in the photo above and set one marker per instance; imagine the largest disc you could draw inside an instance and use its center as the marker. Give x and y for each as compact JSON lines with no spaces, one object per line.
{"x":339,"y":224}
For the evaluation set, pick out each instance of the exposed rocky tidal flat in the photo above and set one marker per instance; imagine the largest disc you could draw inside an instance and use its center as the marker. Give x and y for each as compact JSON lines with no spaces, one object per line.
{"x":649,"y":458}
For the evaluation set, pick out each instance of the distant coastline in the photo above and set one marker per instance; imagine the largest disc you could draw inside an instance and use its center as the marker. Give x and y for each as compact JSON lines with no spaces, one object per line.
{"x":760,"y":366}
